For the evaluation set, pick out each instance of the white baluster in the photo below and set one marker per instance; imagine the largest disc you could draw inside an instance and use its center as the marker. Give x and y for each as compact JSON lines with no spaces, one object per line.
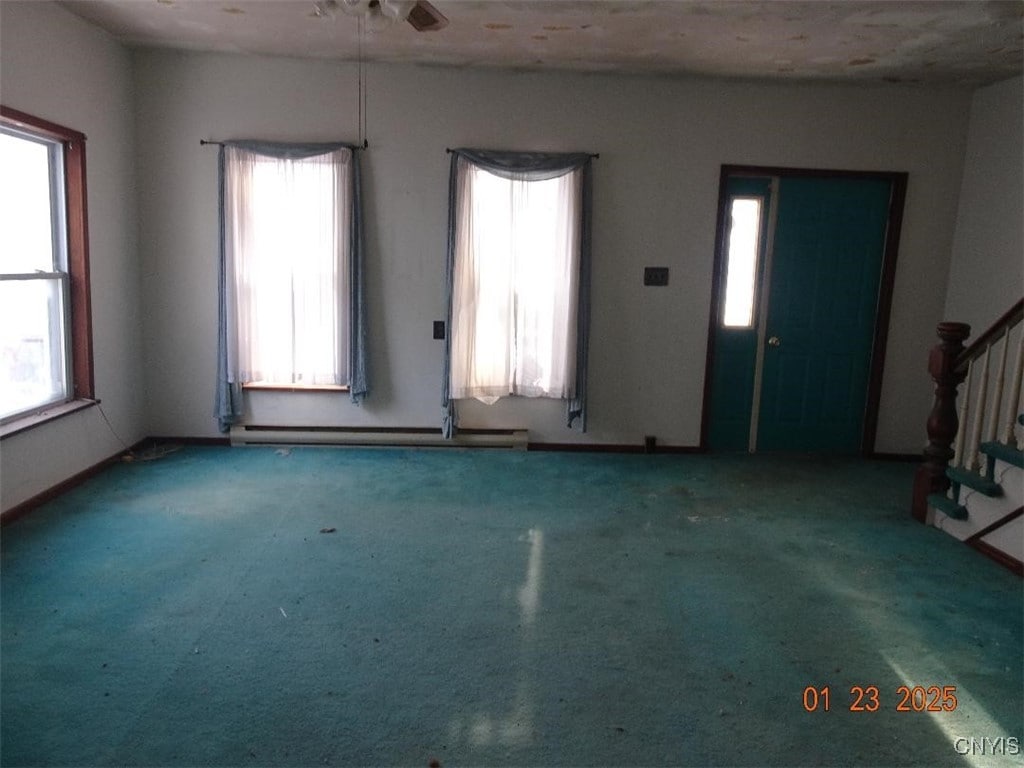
{"x":1014,"y":405}
{"x":961,"y":432}
{"x":979,"y":415}
{"x":997,"y":390}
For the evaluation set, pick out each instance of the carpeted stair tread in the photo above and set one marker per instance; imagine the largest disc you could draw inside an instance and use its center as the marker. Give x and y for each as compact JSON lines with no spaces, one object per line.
{"x":974,"y":481}
{"x":1008,"y":453}
{"x":944,"y":504}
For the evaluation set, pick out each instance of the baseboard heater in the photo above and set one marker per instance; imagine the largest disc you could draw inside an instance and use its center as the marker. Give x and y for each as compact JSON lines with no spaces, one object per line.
{"x":247,"y":434}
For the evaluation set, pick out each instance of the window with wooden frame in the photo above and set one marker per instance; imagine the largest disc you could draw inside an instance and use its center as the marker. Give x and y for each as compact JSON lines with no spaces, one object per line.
{"x":45,"y":319}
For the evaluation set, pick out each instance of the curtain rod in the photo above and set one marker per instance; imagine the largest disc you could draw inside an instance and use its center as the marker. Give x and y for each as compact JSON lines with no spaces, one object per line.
{"x":594,"y":155}
{"x":204,"y":142}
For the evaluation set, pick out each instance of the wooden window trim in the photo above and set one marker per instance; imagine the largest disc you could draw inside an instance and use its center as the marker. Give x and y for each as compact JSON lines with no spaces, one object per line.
{"x":80,"y":332}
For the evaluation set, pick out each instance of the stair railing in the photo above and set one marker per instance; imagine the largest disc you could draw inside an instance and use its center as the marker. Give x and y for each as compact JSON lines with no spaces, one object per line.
{"x":988,"y":413}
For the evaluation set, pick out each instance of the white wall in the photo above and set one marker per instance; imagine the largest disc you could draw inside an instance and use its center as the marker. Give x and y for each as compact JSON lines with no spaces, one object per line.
{"x":987,"y":270}
{"x":55,"y":66}
{"x":662,"y":142}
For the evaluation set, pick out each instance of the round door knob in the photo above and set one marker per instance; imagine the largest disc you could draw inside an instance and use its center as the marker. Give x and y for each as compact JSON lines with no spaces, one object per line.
{"x":774,"y":341}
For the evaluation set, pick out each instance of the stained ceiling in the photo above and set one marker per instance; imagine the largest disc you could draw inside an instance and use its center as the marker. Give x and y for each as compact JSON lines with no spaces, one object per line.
{"x":923,"y":41}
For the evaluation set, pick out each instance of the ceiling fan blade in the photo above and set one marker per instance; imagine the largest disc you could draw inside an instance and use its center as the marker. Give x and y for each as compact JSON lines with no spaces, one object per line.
{"x":426,"y":18}
{"x":394,"y":9}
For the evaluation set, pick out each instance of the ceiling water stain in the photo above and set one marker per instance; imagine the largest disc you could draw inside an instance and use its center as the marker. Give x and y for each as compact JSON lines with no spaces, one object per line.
{"x":923,"y":41}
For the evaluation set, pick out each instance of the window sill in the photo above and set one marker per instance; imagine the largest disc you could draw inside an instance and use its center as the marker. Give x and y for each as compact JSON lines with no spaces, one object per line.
{"x":256,"y":387}
{"x":52,"y":413}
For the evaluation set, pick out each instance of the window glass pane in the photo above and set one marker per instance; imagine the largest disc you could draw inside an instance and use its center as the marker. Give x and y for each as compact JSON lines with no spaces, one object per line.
{"x":289,"y":242}
{"x":515,"y":286}
{"x":741,"y":270}
{"x":26,"y":206}
{"x":32,"y":359}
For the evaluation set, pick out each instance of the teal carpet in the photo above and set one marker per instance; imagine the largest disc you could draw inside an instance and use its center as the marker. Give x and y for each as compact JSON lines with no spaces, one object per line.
{"x":311,"y":607}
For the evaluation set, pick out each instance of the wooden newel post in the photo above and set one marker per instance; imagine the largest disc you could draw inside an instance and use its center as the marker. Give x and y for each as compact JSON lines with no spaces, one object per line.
{"x":942,"y":421}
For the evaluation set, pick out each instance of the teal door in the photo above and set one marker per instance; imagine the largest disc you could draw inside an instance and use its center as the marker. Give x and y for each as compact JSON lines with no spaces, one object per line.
{"x":797,"y":378}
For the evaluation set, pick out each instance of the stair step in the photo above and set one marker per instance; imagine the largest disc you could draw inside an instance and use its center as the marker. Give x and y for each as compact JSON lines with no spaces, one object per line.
{"x":943,"y":503}
{"x":1008,"y":453}
{"x":974,"y":481}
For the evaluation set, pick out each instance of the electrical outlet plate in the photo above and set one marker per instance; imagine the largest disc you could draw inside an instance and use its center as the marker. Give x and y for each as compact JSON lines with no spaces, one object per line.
{"x":655,"y":275}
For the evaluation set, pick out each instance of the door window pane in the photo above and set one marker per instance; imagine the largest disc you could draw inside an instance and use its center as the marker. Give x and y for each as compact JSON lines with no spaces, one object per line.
{"x":741,"y":262}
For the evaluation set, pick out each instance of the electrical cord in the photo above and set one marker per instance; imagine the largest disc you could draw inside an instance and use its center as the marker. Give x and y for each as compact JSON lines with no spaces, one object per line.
{"x":154,"y":452}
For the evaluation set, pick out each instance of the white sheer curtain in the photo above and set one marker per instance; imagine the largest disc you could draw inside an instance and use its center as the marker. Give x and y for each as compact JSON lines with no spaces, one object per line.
{"x":287,"y":251}
{"x":515,"y":285}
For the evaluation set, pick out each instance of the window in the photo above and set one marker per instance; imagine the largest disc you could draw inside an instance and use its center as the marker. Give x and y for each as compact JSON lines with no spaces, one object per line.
{"x":292,"y":312}
{"x":287,"y":232}
{"x":741,"y":261}
{"x":44,"y":285}
{"x":515,"y":284}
